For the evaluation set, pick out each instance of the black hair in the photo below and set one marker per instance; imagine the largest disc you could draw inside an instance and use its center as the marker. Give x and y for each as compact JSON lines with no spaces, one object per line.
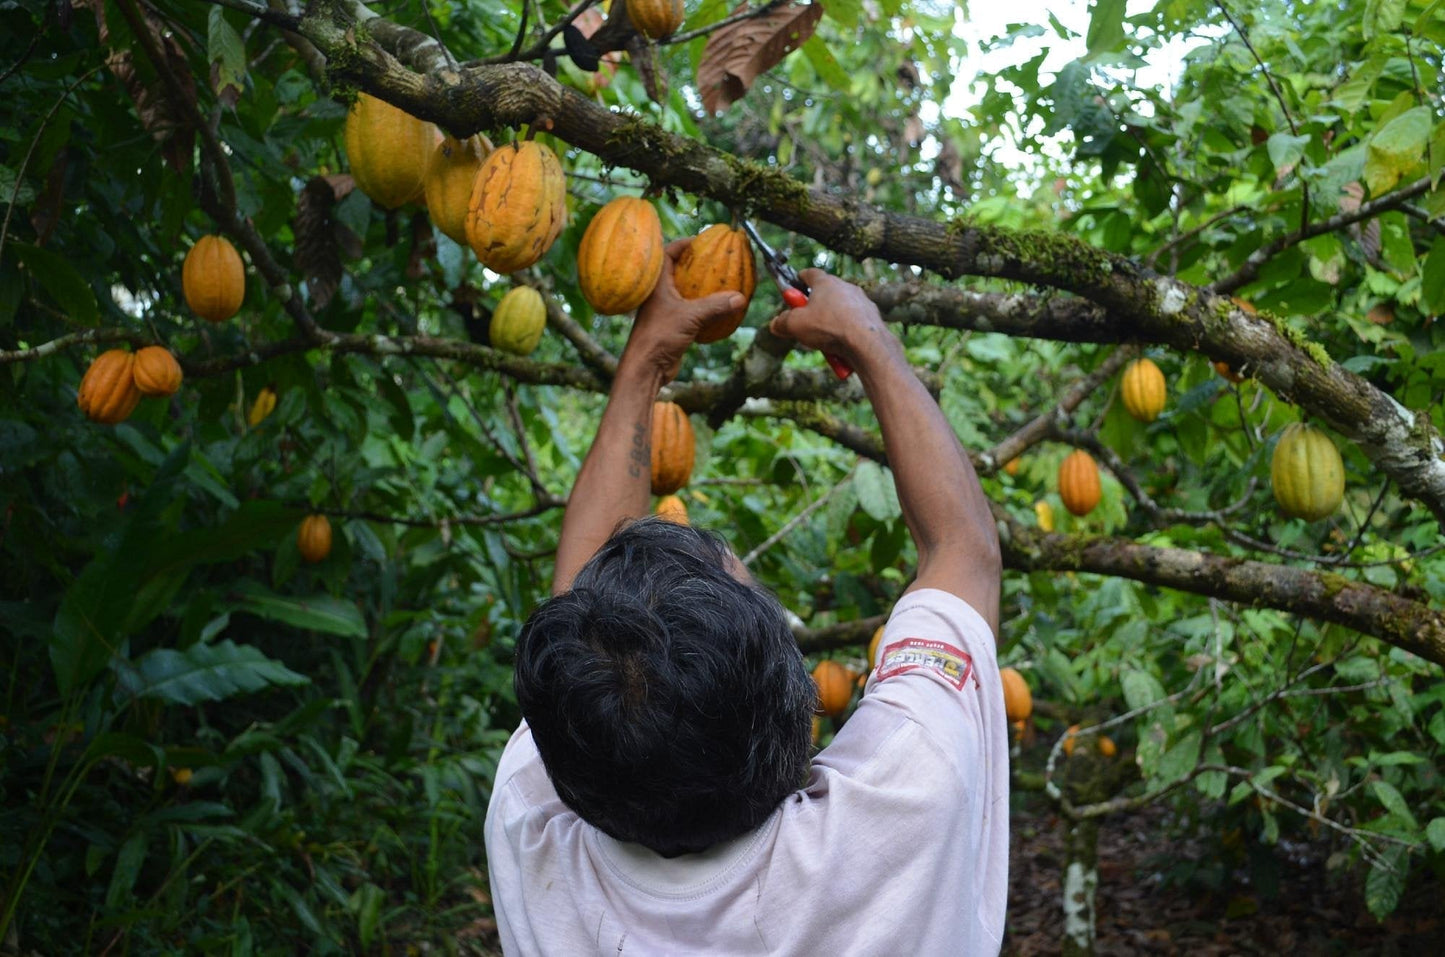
{"x":669,"y":700}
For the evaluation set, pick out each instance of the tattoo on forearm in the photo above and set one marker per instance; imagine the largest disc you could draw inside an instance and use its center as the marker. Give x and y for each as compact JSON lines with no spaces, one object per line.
{"x":641,"y":455}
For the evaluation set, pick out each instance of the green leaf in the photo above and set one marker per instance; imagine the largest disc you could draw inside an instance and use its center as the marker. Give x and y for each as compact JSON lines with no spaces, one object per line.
{"x":1383,"y":16}
{"x":314,"y":613}
{"x":1397,"y":149}
{"x":877,"y":495}
{"x":1385,"y":882}
{"x":844,"y":11}
{"x":227,"y":55}
{"x":1393,"y":801}
{"x":59,"y":278}
{"x":8,"y":185}
{"x":1435,"y":833}
{"x":1180,"y":759}
{"x":1432,"y":279}
{"x":818,"y":54}
{"x":1106,"y":27}
{"x":366,"y":904}
{"x":1286,"y":150}
{"x":1141,"y":689}
{"x":203,"y":673}
{"x":127,"y":868}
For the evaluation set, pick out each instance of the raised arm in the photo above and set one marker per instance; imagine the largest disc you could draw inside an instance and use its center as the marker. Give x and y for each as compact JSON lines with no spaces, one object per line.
{"x":614,"y":483}
{"x":944,"y":506}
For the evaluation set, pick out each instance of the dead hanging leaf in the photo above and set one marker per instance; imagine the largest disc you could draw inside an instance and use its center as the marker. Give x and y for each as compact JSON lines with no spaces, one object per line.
{"x":643,"y":54}
{"x":164,"y":119}
{"x":737,"y":54}
{"x":317,"y":256}
{"x":423,"y":246}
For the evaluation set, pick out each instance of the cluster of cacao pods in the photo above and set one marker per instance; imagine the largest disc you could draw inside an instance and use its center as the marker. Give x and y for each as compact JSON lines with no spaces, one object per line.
{"x":115,"y":382}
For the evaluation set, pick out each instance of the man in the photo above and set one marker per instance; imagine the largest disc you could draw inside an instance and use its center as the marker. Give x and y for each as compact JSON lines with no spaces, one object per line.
{"x":658,"y":797}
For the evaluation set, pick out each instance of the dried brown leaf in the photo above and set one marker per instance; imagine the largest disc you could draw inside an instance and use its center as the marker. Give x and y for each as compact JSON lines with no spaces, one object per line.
{"x":166,"y":121}
{"x":317,"y":257}
{"x":643,"y":54}
{"x":738,"y":53}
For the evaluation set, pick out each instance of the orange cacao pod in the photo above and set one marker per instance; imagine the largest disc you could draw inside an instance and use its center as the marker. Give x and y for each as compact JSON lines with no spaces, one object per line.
{"x":1011,"y":467}
{"x":213,"y":278}
{"x":1018,"y":701}
{"x":1223,"y":368}
{"x":313,"y":538}
{"x":673,"y":509}
{"x":1079,"y":482}
{"x":108,"y":392}
{"x":1107,"y":747}
{"x":1071,"y":740}
{"x":518,"y":206}
{"x":720,"y":259}
{"x":673,"y":448}
{"x":389,"y":150}
{"x":655,"y":19}
{"x":156,"y":371}
{"x":620,"y":256}
{"x":1144,"y":390}
{"x":835,"y":687}
{"x":448,"y":183}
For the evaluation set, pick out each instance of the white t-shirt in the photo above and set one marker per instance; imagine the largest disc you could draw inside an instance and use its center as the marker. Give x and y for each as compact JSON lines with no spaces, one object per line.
{"x":898,"y":844}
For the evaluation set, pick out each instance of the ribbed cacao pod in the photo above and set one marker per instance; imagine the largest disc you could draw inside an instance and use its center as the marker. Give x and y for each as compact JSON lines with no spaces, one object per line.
{"x":1079,"y":482}
{"x":835,"y":687}
{"x":518,"y":321}
{"x":655,"y":19}
{"x":313,"y":538}
{"x":1144,"y":390}
{"x":214,"y":279}
{"x":156,"y":371}
{"x":389,"y":150}
{"x":673,"y":448}
{"x":449,"y":180}
{"x":673,"y":509}
{"x":108,"y":392}
{"x":720,"y":259}
{"x":1307,"y":473}
{"x":620,"y":257}
{"x":264,"y":405}
{"x":518,"y":206}
{"x":1018,"y":701}
{"x":1044,"y":512}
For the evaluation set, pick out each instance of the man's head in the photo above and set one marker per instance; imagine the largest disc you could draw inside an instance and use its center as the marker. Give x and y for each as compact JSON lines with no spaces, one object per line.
{"x":668,"y":699}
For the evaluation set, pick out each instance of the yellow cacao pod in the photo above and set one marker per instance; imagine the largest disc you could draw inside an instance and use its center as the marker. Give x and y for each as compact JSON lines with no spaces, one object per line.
{"x":1018,"y":701}
{"x":264,"y":405}
{"x":673,"y":448}
{"x":156,"y":371}
{"x":389,"y":150}
{"x":518,"y":206}
{"x":835,"y":687}
{"x":313,"y":538}
{"x":518,"y":321}
{"x":719,"y":259}
{"x":1307,"y":473}
{"x":673,"y":509}
{"x":1079,"y":482}
{"x":1144,"y":390}
{"x":620,"y":257}
{"x":1044,"y":512}
{"x":873,"y":646}
{"x":448,"y":184}
{"x":655,"y":19}
{"x":214,"y":279}
{"x":108,"y":392}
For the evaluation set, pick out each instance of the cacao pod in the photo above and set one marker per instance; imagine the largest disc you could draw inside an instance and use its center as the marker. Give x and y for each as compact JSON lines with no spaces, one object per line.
{"x":313,"y":538}
{"x":673,"y":509}
{"x":835,"y":687}
{"x":873,"y":646}
{"x":1071,"y":740}
{"x":518,"y":206}
{"x":214,"y":279}
{"x":518,"y":322}
{"x":1045,"y":514}
{"x":1011,"y":467}
{"x":655,"y":19}
{"x":448,"y":183}
{"x":719,"y":259}
{"x":817,"y":729}
{"x":264,"y":405}
{"x":1307,"y":473}
{"x":156,"y":371}
{"x":1144,"y":390}
{"x":389,"y":150}
{"x":1079,"y":482}
{"x":108,"y":393}
{"x":1107,"y":747}
{"x":1223,"y":369}
{"x":1018,"y":701}
{"x":620,"y":257}
{"x":673,"y":448}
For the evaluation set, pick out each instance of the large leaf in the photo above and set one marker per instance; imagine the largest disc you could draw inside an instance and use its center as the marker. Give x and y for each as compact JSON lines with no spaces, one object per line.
{"x":203,"y":673}
{"x":1397,"y":149}
{"x":227,"y":54}
{"x":1106,"y":26}
{"x":314,"y":613}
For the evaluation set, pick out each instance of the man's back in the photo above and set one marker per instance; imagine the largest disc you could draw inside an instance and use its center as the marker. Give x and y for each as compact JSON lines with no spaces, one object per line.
{"x":897,"y":844}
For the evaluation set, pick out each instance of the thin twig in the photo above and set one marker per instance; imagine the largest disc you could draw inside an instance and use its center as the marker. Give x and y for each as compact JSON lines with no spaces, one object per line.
{"x":795,"y":521}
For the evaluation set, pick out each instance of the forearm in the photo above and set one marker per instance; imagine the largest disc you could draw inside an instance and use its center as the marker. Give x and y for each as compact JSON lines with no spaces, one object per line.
{"x":615,"y":481}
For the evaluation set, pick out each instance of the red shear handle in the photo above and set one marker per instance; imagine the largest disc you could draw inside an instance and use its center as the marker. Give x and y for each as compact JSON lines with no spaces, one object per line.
{"x":797,"y":299}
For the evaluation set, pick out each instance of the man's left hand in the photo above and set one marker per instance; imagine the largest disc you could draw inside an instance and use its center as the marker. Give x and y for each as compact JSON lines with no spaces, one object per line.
{"x":667,"y":324}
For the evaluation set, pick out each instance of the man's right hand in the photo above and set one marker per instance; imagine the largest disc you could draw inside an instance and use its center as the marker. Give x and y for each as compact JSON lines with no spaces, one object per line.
{"x":838,"y":320}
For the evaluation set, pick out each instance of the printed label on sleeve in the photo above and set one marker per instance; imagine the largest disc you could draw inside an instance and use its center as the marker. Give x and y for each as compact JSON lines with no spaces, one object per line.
{"x":953,"y":664}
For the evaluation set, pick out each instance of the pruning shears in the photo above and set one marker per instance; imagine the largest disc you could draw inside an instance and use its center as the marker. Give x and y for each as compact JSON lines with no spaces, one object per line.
{"x":795,"y":291}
